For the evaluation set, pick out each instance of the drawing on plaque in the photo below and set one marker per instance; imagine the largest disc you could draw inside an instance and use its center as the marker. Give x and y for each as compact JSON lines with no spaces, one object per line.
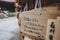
{"x":50,"y":29}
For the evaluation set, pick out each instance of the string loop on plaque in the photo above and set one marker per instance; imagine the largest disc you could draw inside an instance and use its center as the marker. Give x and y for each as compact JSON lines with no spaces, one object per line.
{"x":38,"y":3}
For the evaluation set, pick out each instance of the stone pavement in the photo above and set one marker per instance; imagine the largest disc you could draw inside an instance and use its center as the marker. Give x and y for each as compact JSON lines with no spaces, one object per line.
{"x":9,"y":29}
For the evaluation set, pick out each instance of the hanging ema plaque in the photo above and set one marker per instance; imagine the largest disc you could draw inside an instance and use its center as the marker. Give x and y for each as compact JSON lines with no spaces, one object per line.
{"x":34,"y":25}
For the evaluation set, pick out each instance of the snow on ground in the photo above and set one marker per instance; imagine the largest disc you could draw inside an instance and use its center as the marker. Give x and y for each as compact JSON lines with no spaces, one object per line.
{"x":9,"y":29}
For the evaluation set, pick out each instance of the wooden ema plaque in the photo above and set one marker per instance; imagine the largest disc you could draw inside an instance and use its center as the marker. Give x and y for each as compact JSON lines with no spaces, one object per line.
{"x":34,"y":25}
{"x":57,"y":30}
{"x":50,"y":30}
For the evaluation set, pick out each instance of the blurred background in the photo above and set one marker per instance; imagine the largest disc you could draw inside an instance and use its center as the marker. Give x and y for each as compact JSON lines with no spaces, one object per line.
{"x":8,"y":22}
{"x":8,"y":7}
